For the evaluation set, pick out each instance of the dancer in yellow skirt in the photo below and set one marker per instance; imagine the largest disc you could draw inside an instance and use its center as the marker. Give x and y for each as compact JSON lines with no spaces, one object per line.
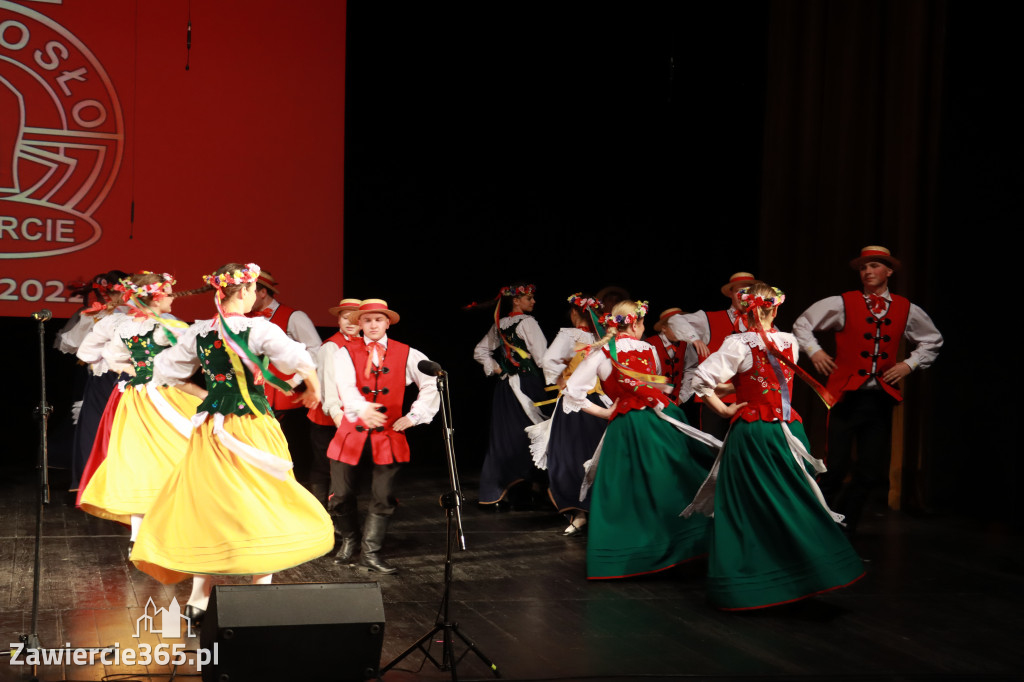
{"x":151,"y":425}
{"x":233,"y":505}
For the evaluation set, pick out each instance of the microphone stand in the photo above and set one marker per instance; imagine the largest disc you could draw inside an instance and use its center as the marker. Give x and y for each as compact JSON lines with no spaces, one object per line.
{"x":452,"y":503}
{"x":42,"y":413}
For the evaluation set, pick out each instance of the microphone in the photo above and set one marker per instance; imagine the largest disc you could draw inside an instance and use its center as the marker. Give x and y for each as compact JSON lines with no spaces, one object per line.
{"x":43,"y":315}
{"x":430,"y":367}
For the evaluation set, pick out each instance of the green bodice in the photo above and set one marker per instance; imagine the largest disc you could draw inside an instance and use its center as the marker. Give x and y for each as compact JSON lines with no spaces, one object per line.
{"x":143,"y":349}
{"x":222,"y":383}
{"x":510,"y":361}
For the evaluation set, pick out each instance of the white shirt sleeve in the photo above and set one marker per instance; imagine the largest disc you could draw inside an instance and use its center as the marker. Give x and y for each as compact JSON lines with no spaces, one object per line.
{"x":536,"y":344}
{"x":595,"y":366}
{"x":301,"y":329}
{"x":722,"y":365}
{"x":690,"y":327}
{"x":483,"y":352}
{"x":558,"y":354}
{"x":428,"y":400}
{"x":177,"y":364}
{"x":828,"y":314}
{"x":921,"y":331}
{"x":325,"y":373}
{"x":266,"y":338}
{"x":91,"y":349}
{"x":690,"y":362}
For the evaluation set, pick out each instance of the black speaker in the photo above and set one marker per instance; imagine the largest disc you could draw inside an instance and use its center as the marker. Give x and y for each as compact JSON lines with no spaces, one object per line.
{"x":306,"y":631}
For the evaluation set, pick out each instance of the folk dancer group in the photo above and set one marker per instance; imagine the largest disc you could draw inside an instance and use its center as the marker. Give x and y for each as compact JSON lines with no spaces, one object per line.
{"x":204,"y":477}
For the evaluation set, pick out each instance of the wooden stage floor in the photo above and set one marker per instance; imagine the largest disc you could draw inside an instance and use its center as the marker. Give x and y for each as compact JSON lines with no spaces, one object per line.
{"x":942,"y":600}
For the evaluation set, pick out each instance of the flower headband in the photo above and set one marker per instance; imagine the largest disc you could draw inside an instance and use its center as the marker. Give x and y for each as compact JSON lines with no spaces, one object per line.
{"x":626,"y":320}
{"x":520,"y":290}
{"x":248,"y":274}
{"x":585,"y":303}
{"x":154,"y":290}
{"x":748,"y":301}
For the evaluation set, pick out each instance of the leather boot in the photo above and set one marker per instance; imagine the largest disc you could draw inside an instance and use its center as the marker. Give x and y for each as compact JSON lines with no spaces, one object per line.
{"x":373,"y":539}
{"x":346,"y":527}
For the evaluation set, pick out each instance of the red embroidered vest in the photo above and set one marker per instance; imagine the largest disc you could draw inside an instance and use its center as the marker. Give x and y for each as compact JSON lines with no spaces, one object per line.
{"x":719,"y":327}
{"x":760,"y":388}
{"x":632,"y":394}
{"x":278,"y":400}
{"x":670,"y":367}
{"x":865,"y":339}
{"x":385,"y":385}
{"x":317,"y":414}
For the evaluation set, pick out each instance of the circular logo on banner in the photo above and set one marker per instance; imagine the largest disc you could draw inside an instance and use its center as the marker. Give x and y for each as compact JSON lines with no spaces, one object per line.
{"x":61,"y":137}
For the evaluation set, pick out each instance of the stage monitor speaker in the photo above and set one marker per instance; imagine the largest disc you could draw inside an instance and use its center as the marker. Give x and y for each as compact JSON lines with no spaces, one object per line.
{"x":308,"y":631}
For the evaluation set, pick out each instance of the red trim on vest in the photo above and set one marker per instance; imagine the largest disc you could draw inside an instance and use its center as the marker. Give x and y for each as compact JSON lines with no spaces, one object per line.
{"x":630,"y":394}
{"x":759,"y":388}
{"x":855,"y":344}
{"x":389,"y":446}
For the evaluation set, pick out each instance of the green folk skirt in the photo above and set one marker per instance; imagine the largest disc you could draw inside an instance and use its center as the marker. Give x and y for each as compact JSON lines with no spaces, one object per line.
{"x":771,"y":540}
{"x":648,"y":472}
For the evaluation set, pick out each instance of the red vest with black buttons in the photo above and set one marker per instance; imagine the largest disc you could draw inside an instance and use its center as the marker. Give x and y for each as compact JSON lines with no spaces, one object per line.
{"x":865,"y":338}
{"x":719,"y":327}
{"x":386,"y":386}
{"x":671,"y":367}
{"x":317,"y":414}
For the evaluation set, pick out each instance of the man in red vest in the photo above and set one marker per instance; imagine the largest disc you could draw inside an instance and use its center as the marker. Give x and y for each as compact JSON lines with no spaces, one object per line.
{"x":868,"y":325}
{"x":372,"y":374}
{"x":678,"y":359}
{"x":290,"y":409}
{"x":705,"y":331}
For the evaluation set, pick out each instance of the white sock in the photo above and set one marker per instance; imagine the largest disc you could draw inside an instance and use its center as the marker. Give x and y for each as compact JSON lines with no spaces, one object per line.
{"x":264,"y":579}
{"x":202,"y":585}
{"x":136,"y":522}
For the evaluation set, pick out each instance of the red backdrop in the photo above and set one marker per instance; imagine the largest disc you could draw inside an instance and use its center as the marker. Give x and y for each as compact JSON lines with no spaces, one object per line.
{"x":113,"y":155}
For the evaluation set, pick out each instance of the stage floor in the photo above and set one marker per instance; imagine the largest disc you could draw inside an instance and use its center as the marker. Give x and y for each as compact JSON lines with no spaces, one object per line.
{"x":942,"y":599}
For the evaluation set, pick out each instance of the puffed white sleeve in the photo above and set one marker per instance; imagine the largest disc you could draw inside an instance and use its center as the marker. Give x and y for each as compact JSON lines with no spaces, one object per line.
{"x":116,"y":354}
{"x":483,"y":351}
{"x":302,"y":329}
{"x":328,"y":379}
{"x":266,"y":338}
{"x":558,"y":354}
{"x":428,"y":400}
{"x":721,"y":366}
{"x":352,"y":402}
{"x":690,"y":327}
{"x":536,"y":343}
{"x":91,"y":349}
{"x":596,"y":365}
{"x":690,"y":364}
{"x":828,"y":314}
{"x":177,"y":364}
{"x":921,"y":330}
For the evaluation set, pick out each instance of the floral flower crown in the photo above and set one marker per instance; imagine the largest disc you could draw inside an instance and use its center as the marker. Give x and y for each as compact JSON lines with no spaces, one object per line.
{"x":154,"y":290}
{"x":585,"y":303}
{"x":749,"y":301}
{"x":520,"y":290}
{"x":248,"y":274}
{"x":626,"y":320}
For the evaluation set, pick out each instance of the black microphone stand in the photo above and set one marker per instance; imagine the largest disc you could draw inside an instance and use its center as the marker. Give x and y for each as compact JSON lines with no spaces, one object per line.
{"x":42,"y":413}
{"x":452,"y":503}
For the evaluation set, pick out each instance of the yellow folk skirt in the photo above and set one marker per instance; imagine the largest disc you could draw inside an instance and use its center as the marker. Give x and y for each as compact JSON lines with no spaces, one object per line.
{"x":148,"y":437}
{"x":225,"y":514}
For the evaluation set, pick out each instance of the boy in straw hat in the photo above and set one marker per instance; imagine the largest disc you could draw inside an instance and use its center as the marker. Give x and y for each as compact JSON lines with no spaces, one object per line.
{"x":322,"y":428}
{"x":705,"y":331}
{"x":868,"y":326}
{"x":371,"y":375}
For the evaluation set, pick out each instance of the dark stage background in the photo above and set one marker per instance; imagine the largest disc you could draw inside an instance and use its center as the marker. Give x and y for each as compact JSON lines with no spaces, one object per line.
{"x":663,"y":146}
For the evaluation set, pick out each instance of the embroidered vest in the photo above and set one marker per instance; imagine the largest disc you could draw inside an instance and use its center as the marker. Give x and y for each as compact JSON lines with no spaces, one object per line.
{"x":277,"y":399}
{"x":632,"y":394}
{"x":143,"y":350}
{"x":317,"y":414}
{"x":760,"y":387}
{"x":226,"y":390}
{"x":719,"y":326}
{"x":510,"y":361}
{"x":867,"y":346}
{"x":385,"y":385}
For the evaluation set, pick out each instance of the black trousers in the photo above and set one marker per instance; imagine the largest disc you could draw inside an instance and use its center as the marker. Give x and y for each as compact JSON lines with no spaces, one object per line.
{"x":320,"y":437}
{"x":862,"y":418}
{"x":345,"y":485}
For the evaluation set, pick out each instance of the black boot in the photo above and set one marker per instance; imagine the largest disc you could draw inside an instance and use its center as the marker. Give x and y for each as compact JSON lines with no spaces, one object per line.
{"x":346,"y":527}
{"x":373,"y":539}
{"x":319,"y":491}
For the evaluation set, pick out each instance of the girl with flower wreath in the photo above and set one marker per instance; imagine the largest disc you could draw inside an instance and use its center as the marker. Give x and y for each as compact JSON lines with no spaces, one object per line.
{"x":566,"y":441}
{"x":650,"y":462}
{"x":773,"y":539}
{"x":232,"y":506}
{"x":150,"y":427}
{"x":512,"y":351}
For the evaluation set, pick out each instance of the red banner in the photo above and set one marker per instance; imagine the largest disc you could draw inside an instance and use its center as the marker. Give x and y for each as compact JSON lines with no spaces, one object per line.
{"x":114,"y":155}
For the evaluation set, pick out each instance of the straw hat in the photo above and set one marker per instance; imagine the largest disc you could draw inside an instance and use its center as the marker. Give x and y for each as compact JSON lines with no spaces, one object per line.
{"x":663,"y":318}
{"x":344,"y":305}
{"x":878,"y":254}
{"x":738,"y":280}
{"x":373,"y":305}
